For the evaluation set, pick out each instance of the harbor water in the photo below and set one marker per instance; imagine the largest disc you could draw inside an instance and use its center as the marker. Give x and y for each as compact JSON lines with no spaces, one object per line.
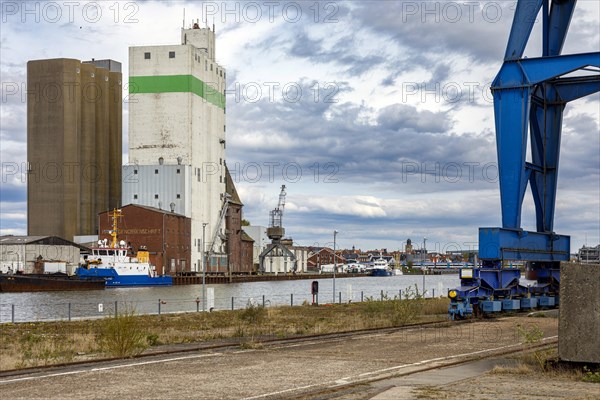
{"x":51,"y":306}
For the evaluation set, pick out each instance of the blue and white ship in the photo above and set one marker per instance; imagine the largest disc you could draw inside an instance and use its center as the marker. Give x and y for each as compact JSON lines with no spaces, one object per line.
{"x":380,"y":267}
{"x":113,"y":263}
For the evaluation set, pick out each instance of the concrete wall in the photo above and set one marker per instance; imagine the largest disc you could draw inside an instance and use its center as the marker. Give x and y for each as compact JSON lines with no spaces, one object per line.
{"x":261,"y":240}
{"x":579,"y":319}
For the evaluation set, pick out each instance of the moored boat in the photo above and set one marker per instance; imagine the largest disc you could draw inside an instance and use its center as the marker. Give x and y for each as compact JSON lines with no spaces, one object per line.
{"x":48,"y":283}
{"x":113,"y":263}
{"x":380,"y":267}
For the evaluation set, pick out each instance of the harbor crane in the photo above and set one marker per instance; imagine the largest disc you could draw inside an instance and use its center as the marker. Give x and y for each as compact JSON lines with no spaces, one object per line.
{"x":218,"y":234}
{"x":275,"y":232}
{"x":530,"y":96}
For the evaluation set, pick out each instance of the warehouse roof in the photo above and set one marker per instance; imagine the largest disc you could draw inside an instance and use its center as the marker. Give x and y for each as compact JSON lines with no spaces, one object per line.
{"x":46,"y":240}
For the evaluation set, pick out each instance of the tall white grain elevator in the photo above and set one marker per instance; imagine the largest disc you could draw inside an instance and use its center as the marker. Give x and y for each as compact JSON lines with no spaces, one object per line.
{"x":177,"y":123}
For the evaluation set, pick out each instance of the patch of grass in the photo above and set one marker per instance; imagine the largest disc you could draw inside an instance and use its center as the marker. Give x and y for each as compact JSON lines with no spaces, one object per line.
{"x":519,"y":369}
{"x":45,"y":343}
{"x":251,"y":345}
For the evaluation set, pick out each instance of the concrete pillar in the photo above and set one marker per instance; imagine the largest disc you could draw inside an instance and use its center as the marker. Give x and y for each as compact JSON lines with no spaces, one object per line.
{"x":579,"y":319}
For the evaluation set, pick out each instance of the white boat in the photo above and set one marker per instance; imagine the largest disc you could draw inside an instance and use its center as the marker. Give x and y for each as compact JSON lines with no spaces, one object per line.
{"x":380,"y":267}
{"x":113,"y":263}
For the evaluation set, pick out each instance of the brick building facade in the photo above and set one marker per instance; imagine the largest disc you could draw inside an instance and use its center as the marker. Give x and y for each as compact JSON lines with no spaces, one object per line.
{"x":239,"y":244}
{"x":322,"y":256}
{"x":166,"y":235}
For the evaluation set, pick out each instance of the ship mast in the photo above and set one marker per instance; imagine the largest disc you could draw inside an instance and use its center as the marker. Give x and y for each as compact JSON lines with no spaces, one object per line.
{"x":117,"y":213}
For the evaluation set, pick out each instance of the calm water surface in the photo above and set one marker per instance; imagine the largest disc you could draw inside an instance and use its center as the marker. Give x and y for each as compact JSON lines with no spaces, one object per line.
{"x":43,"y":306}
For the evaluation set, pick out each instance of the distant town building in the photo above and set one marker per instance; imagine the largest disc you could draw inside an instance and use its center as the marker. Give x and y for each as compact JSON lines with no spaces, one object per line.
{"x":177,"y":121}
{"x":589,"y":255}
{"x":319,"y":256}
{"x":74,"y":134}
{"x":165,"y":234}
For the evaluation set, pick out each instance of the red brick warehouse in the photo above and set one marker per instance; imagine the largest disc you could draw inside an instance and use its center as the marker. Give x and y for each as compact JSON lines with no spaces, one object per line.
{"x":166,"y":235}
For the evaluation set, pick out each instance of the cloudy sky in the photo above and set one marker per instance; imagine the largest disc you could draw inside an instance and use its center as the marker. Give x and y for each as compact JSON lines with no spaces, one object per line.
{"x":376,"y":115}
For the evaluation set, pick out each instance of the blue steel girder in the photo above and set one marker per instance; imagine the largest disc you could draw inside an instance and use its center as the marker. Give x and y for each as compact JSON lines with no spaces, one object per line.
{"x":540,"y":105}
{"x":526,"y":72}
{"x":548,"y":103}
{"x":513,"y":90}
{"x":555,"y":22}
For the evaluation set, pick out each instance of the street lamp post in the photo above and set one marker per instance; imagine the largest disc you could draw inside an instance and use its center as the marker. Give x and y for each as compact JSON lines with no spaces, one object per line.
{"x":334,"y":264}
{"x":425,"y":260}
{"x":203,"y":267}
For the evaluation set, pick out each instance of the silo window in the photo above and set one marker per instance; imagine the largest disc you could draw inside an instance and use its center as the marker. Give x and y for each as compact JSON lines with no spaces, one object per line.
{"x":135,"y":171}
{"x":146,"y":56}
{"x":156,"y":196}
{"x":135,"y":196}
{"x":155,"y":171}
{"x":178,"y":171}
{"x":178,"y":196}
{"x":171,"y":54}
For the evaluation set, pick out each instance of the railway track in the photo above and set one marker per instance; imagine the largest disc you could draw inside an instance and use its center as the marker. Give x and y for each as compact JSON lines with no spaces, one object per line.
{"x":229,"y":344}
{"x":342,"y":387}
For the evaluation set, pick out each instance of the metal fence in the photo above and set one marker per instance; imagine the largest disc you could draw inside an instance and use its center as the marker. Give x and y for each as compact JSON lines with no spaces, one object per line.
{"x":68,"y":311}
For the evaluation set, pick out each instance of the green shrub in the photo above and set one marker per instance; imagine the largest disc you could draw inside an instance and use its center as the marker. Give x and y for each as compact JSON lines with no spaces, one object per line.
{"x":122,"y":336}
{"x":252,"y":314}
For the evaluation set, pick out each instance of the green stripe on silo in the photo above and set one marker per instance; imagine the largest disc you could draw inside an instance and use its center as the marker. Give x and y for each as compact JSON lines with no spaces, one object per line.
{"x":176,"y":84}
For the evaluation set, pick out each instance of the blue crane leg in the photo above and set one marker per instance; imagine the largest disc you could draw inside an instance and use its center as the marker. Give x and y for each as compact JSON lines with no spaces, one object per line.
{"x":559,"y":20}
{"x":511,"y":109}
{"x":546,"y":127}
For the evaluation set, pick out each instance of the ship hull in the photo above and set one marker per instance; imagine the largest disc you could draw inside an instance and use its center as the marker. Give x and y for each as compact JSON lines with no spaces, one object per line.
{"x":380,"y":272}
{"x":113,"y":279}
{"x":50,"y":283}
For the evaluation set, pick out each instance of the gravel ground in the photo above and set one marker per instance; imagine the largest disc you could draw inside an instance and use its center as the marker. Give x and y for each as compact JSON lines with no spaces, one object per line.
{"x":282,"y":371}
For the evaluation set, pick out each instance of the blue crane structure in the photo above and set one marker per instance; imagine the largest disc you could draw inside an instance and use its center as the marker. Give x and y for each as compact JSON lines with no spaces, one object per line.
{"x":530,"y":95}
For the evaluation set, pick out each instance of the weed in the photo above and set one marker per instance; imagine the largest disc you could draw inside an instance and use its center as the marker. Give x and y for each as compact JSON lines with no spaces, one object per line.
{"x":531,"y":337}
{"x":519,"y":369}
{"x":152,"y":339}
{"x":251,"y":345}
{"x":252,"y":314}
{"x":589,"y":376}
{"x":122,"y":336}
